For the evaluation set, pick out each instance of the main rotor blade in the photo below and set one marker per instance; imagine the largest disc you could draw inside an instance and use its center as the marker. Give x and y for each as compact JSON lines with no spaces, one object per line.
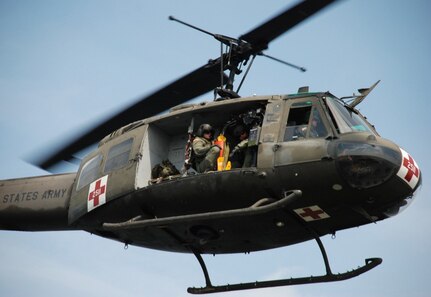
{"x":198,"y":82}
{"x":260,"y":37}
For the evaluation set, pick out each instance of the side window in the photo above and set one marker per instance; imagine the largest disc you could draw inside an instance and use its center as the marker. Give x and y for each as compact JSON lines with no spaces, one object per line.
{"x":118,"y":155}
{"x":304,"y":122}
{"x":297,"y":123}
{"x":89,"y":172}
{"x":316,"y":126}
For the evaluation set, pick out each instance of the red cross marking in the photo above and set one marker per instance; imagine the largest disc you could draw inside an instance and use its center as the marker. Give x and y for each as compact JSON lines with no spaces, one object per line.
{"x":98,"y":190}
{"x":314,"y":214}
{"x":411,"y":168}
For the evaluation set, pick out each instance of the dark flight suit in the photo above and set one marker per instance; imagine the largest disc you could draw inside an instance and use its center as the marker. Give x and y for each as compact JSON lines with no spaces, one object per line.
{"x":245,"y":152}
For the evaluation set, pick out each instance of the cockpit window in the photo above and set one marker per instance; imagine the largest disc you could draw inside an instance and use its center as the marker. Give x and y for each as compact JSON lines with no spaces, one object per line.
{"x":304,"y":122}
{"x":89,"y":172}
{"x":347,"y":120}
{"x":118,"y":155}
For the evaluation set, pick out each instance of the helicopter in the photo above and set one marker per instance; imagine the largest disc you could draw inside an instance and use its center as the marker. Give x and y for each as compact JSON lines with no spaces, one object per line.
{"x":113,"y":194}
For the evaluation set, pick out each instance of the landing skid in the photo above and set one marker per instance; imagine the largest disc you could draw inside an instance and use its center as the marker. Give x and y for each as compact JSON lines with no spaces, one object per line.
{"x":264,"y":205}
{"x":328,"y":277}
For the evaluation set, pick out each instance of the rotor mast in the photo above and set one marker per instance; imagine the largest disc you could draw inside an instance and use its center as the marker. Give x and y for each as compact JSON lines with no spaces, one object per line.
{"x":227,"y":60}
{"x":238,"y":51}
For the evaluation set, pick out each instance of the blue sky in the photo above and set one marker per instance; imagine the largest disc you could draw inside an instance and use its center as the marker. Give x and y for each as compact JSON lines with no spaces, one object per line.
{"x":67,"y":64}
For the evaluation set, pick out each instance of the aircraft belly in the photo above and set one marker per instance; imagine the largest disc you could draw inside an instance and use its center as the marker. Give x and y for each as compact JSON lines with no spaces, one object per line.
{"x":330,"y":205}
{"x":219,"y":191}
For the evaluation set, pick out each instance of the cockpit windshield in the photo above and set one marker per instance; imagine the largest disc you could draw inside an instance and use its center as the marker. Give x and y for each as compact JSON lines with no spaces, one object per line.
{"x":346,"y":118}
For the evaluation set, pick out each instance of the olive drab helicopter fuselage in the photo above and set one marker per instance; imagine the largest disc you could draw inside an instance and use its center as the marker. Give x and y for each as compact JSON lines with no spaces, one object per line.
{"x":317,"y":167}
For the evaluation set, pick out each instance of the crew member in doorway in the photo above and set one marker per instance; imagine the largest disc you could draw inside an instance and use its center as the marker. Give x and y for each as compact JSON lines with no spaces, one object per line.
{"x":241,"y":155}
{"x":206,"y":153}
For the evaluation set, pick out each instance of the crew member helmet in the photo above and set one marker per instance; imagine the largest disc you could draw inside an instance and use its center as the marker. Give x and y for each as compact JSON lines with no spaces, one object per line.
{"x":205,"y":128}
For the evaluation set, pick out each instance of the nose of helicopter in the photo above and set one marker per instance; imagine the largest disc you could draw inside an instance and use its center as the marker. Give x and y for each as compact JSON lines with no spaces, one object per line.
{"x":410,"y":174}
{"x":380,"y":163}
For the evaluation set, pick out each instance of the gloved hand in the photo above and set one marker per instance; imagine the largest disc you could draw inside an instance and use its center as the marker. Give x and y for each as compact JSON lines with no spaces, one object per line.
{"x":233,"y":152}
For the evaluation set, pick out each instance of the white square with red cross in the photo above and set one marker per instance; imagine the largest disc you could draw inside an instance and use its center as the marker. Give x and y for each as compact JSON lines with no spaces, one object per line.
{"x":97,"y":193}
{"x":409,"y":170}
{"x":311,"y":213}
